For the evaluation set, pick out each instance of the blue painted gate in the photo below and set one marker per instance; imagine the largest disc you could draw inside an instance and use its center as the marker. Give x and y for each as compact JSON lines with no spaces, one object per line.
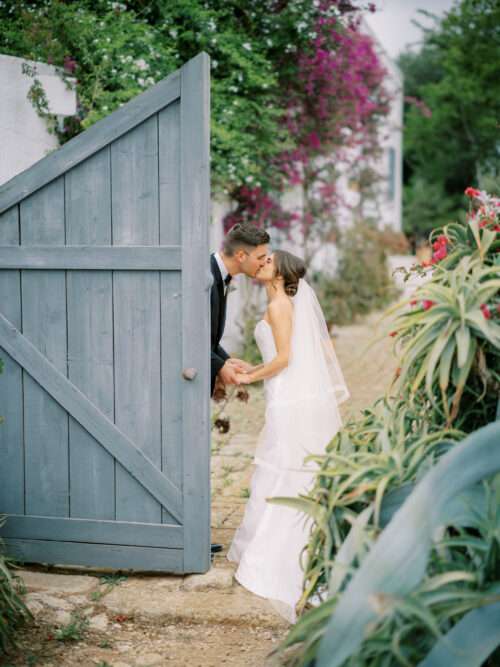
{"x":104,"y":320}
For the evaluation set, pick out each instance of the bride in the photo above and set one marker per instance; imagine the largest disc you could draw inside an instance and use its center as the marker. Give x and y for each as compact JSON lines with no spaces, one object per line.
{"x":303,"y":387}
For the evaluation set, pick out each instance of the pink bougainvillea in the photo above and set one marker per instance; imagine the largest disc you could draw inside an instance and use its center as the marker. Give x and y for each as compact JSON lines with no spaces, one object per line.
{"x":334,"y":97}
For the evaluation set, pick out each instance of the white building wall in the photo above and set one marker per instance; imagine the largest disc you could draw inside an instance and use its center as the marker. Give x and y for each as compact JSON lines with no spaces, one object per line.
{"x":24,"y":138}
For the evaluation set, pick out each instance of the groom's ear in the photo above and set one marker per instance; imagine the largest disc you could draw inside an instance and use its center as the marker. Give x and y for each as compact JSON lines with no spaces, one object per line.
{"x":239,"y":255}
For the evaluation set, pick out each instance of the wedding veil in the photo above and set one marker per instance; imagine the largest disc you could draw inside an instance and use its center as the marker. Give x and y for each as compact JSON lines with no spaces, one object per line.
{"x":302,"y":413}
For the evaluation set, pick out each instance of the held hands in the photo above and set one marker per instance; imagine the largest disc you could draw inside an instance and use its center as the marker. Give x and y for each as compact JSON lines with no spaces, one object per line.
{"x":243,"y":378}
{"x":235,"y":371}
{"x":240,"y":365}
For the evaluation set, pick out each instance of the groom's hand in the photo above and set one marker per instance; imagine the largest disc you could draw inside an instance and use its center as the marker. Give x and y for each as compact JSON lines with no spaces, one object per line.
{"x":228,"y":373}
{"x":240,"y":365}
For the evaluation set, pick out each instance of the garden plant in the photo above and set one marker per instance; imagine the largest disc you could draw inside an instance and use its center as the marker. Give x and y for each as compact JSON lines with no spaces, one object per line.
{"x":403,"y":562}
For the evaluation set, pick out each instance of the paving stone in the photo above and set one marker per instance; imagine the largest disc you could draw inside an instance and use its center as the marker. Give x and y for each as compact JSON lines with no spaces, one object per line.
{"x":34,"y":606}
{"x":99,"y":622}
{"x":77,"y":599}
{"x":216,"y":578}
{"x":60,"y":583}
{"x":223,"y":465}
{"x":148,"y":659}
{"x":50,"y":601}
{"x":62,"y":617}
{"x":235,"y":605}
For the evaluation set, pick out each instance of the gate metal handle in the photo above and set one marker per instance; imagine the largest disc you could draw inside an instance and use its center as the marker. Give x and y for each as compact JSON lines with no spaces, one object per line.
{"x":189,"y":373}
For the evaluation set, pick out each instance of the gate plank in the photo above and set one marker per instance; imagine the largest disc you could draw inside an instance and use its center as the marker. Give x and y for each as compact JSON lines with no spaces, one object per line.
{"x":79,"y":406}
{"x":11,"y":389}
{"x":89,"y":258}
{"x":90,"y":337}
{"x":143,"y":559}
{"x":195,"y":202}
{"x":97,"y":532}
{"x":136,"y":299}
{"x":170,"y":295}
{"x":44,"y":324}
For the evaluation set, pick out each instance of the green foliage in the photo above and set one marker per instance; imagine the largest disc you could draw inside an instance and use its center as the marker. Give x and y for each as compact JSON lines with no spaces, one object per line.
{"x":117,"y":50}
{"x":427,"y":206}
{"x":362,"y":283}
{"x":390,"y":585}
{"x":74,"y":630}
{"x":455,"y":78}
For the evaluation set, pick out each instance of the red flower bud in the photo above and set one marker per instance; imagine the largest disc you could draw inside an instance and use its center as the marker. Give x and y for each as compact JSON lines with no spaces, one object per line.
{"x":427,"y":303}
{"x":486,"y":311}
{"x":472,"y":192}
{"x":440,"y":254}
{"x":393,"y":333}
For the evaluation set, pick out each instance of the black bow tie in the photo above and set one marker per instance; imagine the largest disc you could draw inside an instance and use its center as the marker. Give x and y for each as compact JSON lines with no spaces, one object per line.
{"x":227,"y":279}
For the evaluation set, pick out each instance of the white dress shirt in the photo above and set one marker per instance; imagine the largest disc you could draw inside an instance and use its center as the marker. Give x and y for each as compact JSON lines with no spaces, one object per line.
{"x":223,"y":271}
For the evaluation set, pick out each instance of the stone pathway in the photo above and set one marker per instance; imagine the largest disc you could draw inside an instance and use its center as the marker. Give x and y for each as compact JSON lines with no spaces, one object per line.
{"x":205,"y":620}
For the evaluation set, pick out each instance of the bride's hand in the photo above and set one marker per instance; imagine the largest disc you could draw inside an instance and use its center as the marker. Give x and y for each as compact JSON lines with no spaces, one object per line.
{"x":240,"y":365}
{"x":243,"y":378}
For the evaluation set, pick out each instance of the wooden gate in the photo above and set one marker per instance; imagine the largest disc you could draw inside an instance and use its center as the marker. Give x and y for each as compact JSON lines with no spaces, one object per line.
{"x":104,"y":320}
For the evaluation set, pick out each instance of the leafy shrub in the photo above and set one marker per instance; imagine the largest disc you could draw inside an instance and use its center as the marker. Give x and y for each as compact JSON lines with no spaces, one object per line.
{"x":362,"y":283}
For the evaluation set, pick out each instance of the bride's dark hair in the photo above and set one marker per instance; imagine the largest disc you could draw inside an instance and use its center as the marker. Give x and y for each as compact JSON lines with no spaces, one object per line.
{"x":291,"y":268}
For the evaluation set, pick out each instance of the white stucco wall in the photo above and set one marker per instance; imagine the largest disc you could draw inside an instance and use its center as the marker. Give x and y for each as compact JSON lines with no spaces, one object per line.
{"x":24,"y":138}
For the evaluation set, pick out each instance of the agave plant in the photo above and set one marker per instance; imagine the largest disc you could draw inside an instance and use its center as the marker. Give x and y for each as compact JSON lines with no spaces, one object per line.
{"x":449,"y":339}
{"x":403,"y":560}
{"x":395,"y":599}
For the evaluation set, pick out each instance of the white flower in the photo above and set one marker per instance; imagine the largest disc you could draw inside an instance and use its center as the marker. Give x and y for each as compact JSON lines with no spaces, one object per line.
{"x":173,"y":33}
{"x":214,"y":64}
{"x":141,"y":64}
{"x":249,"y":179}
{"x":233,"y":89}
{"x":302,"y":25}
{"x":247,"y":46}
{"x":141,"y":81}
{"x":269,"y":42}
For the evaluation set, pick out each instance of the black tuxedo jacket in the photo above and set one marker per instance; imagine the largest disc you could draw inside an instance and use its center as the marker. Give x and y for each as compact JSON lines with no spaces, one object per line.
{"x":218,"y":320}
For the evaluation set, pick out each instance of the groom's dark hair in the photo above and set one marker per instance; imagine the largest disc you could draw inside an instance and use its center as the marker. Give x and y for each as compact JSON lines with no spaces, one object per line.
{"x":244,"y":235}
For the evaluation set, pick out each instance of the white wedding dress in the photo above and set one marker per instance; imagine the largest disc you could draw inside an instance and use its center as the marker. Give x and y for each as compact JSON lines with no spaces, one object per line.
{"x":302,"y":416}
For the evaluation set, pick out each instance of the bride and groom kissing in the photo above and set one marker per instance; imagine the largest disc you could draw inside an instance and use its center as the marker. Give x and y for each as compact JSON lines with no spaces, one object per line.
{"x":303,"y":386}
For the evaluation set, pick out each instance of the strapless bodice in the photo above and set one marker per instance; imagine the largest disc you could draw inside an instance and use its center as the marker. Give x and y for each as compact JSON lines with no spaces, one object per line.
{"x":265,"y":340}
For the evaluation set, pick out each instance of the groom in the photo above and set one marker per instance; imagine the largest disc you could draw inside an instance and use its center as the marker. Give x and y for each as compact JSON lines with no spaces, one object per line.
{"x":245,"y":250}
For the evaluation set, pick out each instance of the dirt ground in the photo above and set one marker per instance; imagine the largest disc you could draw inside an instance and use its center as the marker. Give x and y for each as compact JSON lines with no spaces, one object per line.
{"x":206,"y":620}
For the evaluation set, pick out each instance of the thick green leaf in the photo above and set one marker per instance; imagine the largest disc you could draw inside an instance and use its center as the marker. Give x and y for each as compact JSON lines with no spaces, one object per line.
{"x":397,"y":561}
{"x":469,"y":642}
